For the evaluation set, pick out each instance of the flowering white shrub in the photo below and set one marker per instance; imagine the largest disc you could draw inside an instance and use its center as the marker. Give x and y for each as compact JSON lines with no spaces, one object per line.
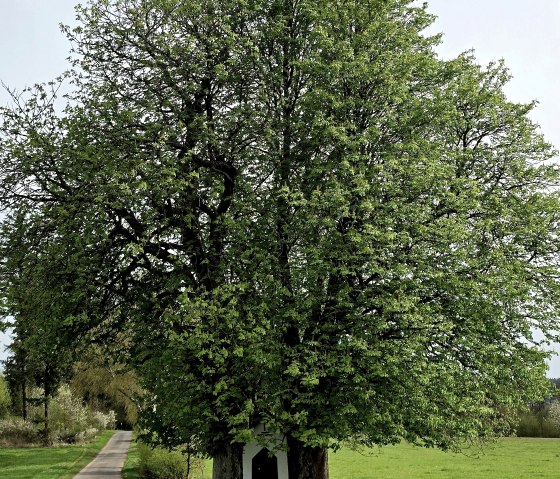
{"x":72,"y":421}
{"x":15,"y":432}
{"x":103,"y":420}
{"x":68,"y":416}
{"x":554,"y":413}
{"x":86,"y":435}
{"x":69,"y":421}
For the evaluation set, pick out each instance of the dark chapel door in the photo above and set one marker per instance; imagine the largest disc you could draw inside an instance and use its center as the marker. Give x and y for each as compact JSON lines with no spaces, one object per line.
{"x":264,"y":466}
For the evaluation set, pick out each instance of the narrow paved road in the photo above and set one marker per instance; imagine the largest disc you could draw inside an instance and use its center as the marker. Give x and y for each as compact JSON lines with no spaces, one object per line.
{"x":109,"y":462}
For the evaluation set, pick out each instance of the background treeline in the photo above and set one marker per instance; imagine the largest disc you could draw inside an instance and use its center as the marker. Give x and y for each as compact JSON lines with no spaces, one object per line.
{"x":41,"y":405}
{"x":542,"y":419}
{"x":85,"y":397}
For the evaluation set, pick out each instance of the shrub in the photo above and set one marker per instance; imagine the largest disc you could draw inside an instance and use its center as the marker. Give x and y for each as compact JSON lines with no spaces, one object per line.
{"x":68,"y":416}
{"x":102,"y":420}
{"x":553,"y":414}
{"x":159,"y":463}
{"x":15,"y":432}
{"x":87,"y":435}
{"x":537,"y":425}
{"x":70,"y":421}
{"x":35,"y":408}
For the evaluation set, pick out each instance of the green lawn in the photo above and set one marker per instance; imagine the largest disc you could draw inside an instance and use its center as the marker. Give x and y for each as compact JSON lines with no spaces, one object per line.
{"x":49,"y":463}
{"x":513,"y":458}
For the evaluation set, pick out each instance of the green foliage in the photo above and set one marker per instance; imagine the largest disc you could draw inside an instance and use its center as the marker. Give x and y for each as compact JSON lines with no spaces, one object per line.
{"x":541,"y":420}
{"x":537,"y":425}
{"x":159,"y":463}
{"x":107,"y":386}
{"x":285,"y":212}
{"x":70,"y":421}
{"x":37,"y":362}
{"x":5,"y":397}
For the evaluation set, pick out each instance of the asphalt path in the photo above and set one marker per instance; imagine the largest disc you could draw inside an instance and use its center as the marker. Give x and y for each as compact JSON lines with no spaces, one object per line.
{"x":109,"y":462}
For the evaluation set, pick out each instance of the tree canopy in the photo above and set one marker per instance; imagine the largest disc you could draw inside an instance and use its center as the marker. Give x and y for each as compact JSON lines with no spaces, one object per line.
{"x":296,"y":214}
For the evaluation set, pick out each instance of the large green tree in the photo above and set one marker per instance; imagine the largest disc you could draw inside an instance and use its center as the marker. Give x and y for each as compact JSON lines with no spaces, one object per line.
{"x":298,"y":215}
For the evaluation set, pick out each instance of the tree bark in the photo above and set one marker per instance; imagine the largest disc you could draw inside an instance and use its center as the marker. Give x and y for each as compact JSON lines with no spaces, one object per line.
{"x":306,"y":462}
{"x":46,"y":397}
{"x":228,"y":462}
{"x":47,"y":431}
{"x":24,"y":399}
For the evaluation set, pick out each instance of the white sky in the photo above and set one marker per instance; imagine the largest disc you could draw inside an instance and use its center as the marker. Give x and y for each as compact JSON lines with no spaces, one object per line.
{"x":526,"y":33}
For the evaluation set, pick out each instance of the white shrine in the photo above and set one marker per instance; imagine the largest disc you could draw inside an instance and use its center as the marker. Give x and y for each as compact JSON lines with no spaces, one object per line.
{"x":257,"y":460}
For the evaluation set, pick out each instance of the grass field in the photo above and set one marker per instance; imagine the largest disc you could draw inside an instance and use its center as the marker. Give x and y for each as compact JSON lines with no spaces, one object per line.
{"x":49,"y":463}
{"x":512,"y":458}
{"x":515,"y":458}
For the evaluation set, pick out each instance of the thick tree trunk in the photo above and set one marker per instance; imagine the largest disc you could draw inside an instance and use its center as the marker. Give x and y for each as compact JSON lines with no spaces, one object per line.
{"x":228,"y":462}
{"x":306,"y":462}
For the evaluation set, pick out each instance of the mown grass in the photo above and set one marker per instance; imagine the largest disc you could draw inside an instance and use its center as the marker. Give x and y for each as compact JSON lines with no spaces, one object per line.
{"x":131,"y":468}
{"x":62,"y":462}
{"x":512,"y":458}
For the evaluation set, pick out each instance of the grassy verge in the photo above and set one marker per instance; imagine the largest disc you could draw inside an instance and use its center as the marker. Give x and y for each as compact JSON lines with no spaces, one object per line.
{"x":49,"y":463}
{"x":206,"y":472}
{"x":133,"y":463}
{"x":131,"y":468}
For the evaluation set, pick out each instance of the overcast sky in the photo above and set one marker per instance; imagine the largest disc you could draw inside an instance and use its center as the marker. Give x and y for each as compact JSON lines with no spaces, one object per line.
{"x":525,"y":33}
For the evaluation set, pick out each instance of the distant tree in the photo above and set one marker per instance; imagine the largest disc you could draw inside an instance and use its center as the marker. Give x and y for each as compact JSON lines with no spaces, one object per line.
{"x":105,"y":385}
{"x":554,"y":414}
{"x":555,"y":382}
{"x":16,"y":374}
{"x":35,"y":364}
{"x":5,"y":398}
{"x":41,"y":353}
{"x":298,"y":214}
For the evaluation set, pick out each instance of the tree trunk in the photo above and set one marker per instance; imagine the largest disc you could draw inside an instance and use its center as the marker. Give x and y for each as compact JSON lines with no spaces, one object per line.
{"x":24,"y":399}
{"x":228,"y":462}
{"x":306,"y":462}
{"x":47,"y":394}
{"x":23,"y":385}
{"x":47,"y":431}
